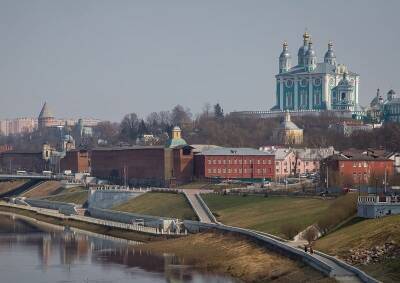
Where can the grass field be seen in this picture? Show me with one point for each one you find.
(365, 234)
(79, 197)
(266, 214)
(238, 257)
(44, 189)
(159, 204)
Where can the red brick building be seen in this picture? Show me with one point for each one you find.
(356, 169)
(78, 161)
(144, 165)
(235, 163)
(30, 161)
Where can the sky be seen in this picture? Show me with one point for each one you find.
(104, 59)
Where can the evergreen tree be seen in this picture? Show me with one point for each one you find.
(218, 111)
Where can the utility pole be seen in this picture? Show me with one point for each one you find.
(385, 180)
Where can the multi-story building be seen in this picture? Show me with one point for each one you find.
(17, 126)
(76, 160)
(167, 166)
(235, 163)
(315, 86)
(295, 161)
(349, 169)
(347, 128)
(387, 110)
(309, 159)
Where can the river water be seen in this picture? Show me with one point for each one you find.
(35, 252)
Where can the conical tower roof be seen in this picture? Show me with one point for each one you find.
(45, 113)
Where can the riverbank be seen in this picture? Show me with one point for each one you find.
(230, 254)
(214, 252)
(114, 232)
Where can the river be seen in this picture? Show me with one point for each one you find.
(35, 252)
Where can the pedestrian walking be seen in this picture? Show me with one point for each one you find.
(305, 248)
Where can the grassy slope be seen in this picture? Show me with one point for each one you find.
(159, 204)
(79, 197)
(11, 185)
(238, 257)
(44, 189)
(363, 235)
(266, 214)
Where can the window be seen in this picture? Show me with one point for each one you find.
(235, 161)
(229, 170)
(235, 170)
(365, 164)
(224, 161)
(214, 161)
(359, 164)
(269, 162)
(244, 171)
(258, 171)
(354, 164)
(209, 170)
(240, 161)
(258, 161)
(245, 161)
(229, 161)
(341, 164)
(277, 163)
(214, 170)
(306, 163)
(264, 170)
(263, 161)
(277, 170)
(240, 170)
(219, 161)
(224, 170)
(209, 161)
(219, 170)
(270, 170)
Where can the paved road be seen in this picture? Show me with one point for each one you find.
(338, 272)
(197, 207)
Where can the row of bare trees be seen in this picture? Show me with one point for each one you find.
(212, 126)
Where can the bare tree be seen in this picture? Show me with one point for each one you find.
(290, 230)
(310, 235)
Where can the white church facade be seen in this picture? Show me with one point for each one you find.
(313, 86)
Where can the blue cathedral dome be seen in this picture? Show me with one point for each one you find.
(285, 52)
(330, 56)
(303, 49)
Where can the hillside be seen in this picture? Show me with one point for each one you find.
(365, 241)
(159, 204)
(44, 189)
(267, 214)
(8, 186)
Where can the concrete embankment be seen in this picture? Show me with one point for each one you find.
(95, 225)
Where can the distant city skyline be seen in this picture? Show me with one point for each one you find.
(104, 59)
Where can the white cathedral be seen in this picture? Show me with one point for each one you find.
(315, 86)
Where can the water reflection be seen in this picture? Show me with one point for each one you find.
(34, 252)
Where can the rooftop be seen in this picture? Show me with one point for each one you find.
(234, 151)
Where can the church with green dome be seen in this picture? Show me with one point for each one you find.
(176, 139)
(310, 85)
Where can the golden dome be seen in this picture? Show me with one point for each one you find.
(306, 35)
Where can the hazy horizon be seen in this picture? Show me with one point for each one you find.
(104, 59)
